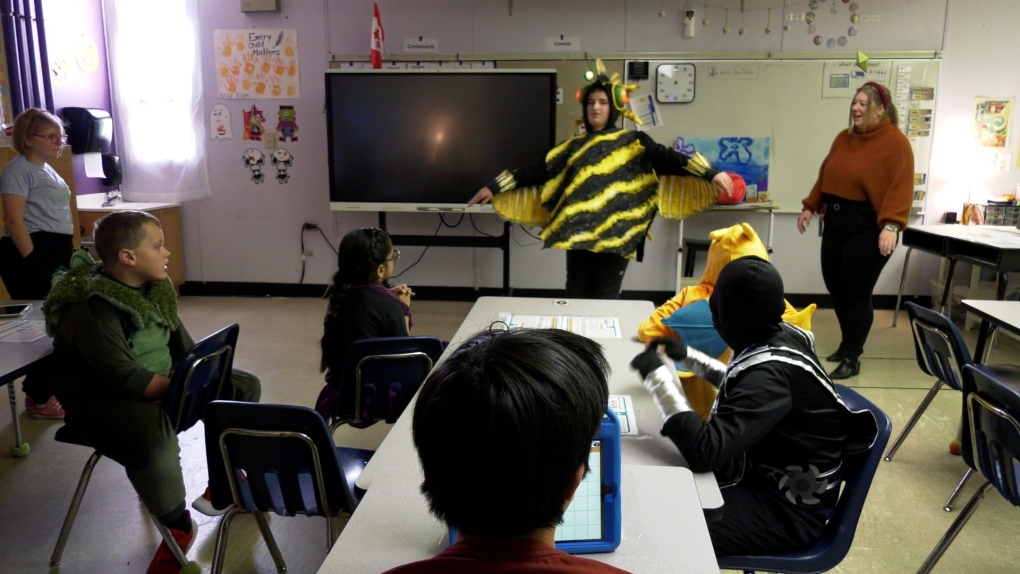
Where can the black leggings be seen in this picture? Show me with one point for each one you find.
(595, 275)
(30, 277)
(851, 264)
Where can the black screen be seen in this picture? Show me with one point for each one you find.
(404, 140)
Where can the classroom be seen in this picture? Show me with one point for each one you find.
(252, 235)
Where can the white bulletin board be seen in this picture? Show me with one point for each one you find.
(789, 101)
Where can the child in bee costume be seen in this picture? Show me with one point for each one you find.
(595, 194)
(778, 432)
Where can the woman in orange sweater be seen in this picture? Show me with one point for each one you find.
(863, 193)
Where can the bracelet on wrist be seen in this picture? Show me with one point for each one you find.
(891, 227)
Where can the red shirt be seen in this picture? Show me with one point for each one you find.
(505, 555)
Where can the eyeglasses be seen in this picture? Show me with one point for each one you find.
(54, 138)
(396, 256)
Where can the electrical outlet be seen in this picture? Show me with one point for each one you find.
(1000, 161)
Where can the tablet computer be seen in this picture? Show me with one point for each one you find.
(14, 310)
(593, 521)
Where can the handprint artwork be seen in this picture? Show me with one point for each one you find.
(257, 64)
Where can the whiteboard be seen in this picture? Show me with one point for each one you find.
(791, 102)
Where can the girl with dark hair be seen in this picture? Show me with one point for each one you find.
(864, 192)
(361, 305)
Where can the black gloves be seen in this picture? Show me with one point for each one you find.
(646, 362)
(673, 349)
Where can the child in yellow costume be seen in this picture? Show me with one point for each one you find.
(687, 317)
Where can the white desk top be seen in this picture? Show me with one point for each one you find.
(1000, 236)
(15, 357)
(392, 525)
(663, 526)
(1005, 314)
(94, 202)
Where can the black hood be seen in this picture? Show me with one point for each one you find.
(747, 303)
(614, 114)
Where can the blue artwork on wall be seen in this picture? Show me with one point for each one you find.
(746, 156)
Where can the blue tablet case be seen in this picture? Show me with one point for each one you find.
(596, 498)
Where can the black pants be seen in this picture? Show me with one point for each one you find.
(594, 275)
(851, 264)
(754, 522)
(29, 278)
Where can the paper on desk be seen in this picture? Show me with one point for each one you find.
(623, 406)
(21, 331)
(591, 327)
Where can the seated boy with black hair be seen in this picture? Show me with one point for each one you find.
(503, 429)
(116, 340)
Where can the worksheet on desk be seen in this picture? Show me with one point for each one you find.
(21, 331)
(591, 327)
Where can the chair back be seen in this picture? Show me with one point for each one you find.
(381, 376)
(273, 458)
(994, 406)
(837, 537)
(940, 349)
(199, 377)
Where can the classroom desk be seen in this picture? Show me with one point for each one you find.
(1005, 314)
(991, 246)
(392, 525)
(742, 209)
(15, 359)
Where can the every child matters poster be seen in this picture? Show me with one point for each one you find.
(253, 64)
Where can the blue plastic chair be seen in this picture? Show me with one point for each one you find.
(198, 380)
(276, 458)
(992, 397)
(380, 377)
(837, 537)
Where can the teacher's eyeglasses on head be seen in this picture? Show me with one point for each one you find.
(396, 256)
(54, 138)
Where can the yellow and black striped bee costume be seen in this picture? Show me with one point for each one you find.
(600, 191)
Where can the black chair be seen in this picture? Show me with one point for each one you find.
(380, 377)
(837, 537)
(276, 458)
(992, 397)
(198, 379)
(941, 353)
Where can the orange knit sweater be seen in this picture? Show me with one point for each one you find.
(877, 166)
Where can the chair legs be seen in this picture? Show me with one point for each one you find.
(913, 419)
(954, 529)
(267, 535)
(72, 512)
(956, 491)
(171, 543)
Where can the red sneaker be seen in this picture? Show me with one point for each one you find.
(164, 562)
(51, 410)
(204, 505)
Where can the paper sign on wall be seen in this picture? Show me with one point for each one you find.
(261, 63)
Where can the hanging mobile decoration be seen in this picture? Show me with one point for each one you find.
(768, 24)
(853, 7)
(834, 9)
(813, 4)
(741, 30)
(726, 24)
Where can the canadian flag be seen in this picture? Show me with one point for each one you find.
(378, 35)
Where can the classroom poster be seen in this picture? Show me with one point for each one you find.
(258, 63)
(743, 155)
(991, 121)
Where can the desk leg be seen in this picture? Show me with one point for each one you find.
(947, 290)
(680, 258)
(20, 448)
(903, 280)
(982, 340)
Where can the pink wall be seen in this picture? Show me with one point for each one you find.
(77, 52)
